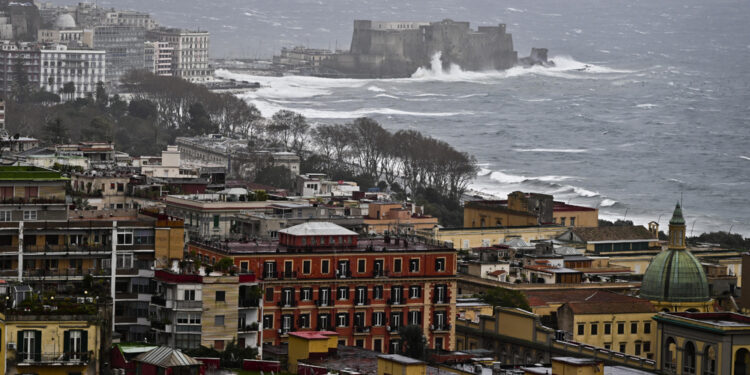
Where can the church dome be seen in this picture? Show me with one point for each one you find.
(675, 276)
(65, 21)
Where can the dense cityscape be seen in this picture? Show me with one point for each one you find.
(152, 221)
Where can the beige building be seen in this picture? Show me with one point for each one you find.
(396, 218)
(190, 57)
(468, 238)
(102, 190)
(168, 166)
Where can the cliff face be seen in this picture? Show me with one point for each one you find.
(398, 49)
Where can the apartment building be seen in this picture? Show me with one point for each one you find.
(158, 58)
(102, 190)
(190, 58)
(68, 338)
(320, 276)
(124, 46)
(84, 68)
(191, 310)
(32, 194)
(14, 55)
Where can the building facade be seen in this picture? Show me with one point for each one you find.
(320, 276)
(158, 58)
(190, 57)
(18, 55)
(125, 49)
(83, 68)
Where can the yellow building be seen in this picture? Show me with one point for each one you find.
(310, 344)
(394, 218)
(396, 364)
(51, 344)
(675, 279)
(471, 308)
(220, 311)
(624, 326)
(703, 343)
(492, 214)
(575, 216)
(468, 238)
(569, 366)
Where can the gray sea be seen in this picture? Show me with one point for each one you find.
(649, 102)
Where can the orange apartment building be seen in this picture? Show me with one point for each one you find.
(320, 276)
(395, 218)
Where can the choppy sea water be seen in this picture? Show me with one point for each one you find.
(649, 101)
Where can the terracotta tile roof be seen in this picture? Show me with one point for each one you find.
(496, 272)
(614, 233)
(637, 305)
(562, 296)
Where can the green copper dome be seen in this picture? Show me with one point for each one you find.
(677, 218)
(675, 276)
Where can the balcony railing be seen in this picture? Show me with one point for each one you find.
(159, 300)
(59, 273)
(188, 305)
(324, 302)
(361, 330)
(37, 359)
(395, 301)
(379, 273)
(440, 328)
(361, 301)
(343, 275)
(249, 302)
(287, 303)
(252, 327)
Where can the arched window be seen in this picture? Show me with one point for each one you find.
(688, 359)
(741, 361)
(670, 356)
(709, 361)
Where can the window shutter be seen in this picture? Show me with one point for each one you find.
(38, 345)
(19, 343)
(84, 342)
(66, 343)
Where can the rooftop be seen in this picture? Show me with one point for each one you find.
(564, 207)
(318, 229)
(620, 307)
(716, 319)
(562, 296)
(363, 245)
(29, 173)
(613, 233)
(314, 335)
(400, 359)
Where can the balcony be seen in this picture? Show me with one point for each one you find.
(361, 302)
(249, 303)
(188, 305)
(288, 275)
(359, 330)
(379, 273)
(165, 326)
(53, 359)
(252, 327)
(392, 329)
(324, 303)
(396, 301)
(440, 328)
(159, 301)
(287, 304)
(343, 275)
(120, 296)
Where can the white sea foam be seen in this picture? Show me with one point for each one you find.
(607, 202)
(375, 89)
(646, 106)
(554, 150)
(483, 172)
(267, 109)
(505, 178)
(744, 157)
(515, 10)
(386, 96)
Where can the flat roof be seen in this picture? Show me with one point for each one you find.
(313, 335)
(400, 359)
(267, 247)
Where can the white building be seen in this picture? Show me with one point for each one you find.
(159, 57)
(190, 57)
(60, 65)
(168, 166)
(130, 18)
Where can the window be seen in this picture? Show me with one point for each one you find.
(377, 268)
(31, 192)
(646, 327)
(623, 345)
(562, 221)
(286, 323)
(647, 346)
(361, 264)
(305, 294)
(439, 320)
(581, 328)
(306, 266)
(342, 269)
(219, 344)
(189, 295)
(637, 348)
(440, 265)
(324, 266)
(620, 328)
(219, 320)
(342, 320)
(396, 294)
(324, 321)
(268, 321)
(304, 321)
(414, 265)
(244, 267)
(634, 327)
(439, 295)
(75, 343)
(125, 237)
(51, 264)
(342, 293)
(415, 291)
(394, 346)
(324, 297)
(594, 328)
(269, 294)
(377, 292)
(221, 296)
(378, 319)
(572, 221)
(5, 216)
(360, 295)
(415, 317)
(216, 221)
(608, 345)
(396, 320)
(359, 319)
(397, 265)
(29, 215)
(607, 328)
(29, 346)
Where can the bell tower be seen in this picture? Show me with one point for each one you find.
(677, 229)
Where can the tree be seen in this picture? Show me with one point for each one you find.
(280, 177)
(224, 264)
(200, 122)
(370, 140)
(21, 83)
(505, 298)
(142, 108)
(280, 127)
(102, 98)
(69, 88)
(413, 342)
(55, 132)
(99, 130)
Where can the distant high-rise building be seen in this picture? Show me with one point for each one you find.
(130, 18)
(13, 55)
(190, 57)
(124, 46)
(84, 68)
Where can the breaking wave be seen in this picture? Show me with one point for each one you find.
(553, 150)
